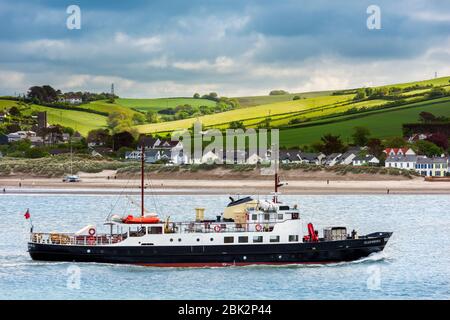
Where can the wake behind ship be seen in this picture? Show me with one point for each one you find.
(248, 232)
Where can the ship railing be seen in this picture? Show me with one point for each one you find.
(73, 239)
(215, 227)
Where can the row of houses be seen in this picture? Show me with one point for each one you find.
(407, 159)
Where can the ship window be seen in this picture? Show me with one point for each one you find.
(171, 240)
(243, 240)
(179, 239)
(266, 216)
(155, 230)
(274, 238)
(228, 239)
(294, 215)
(284, 207)
(211, 239)
(254, 217)
(198, 239)
(280, 216)
(293, 238)
(257, 239)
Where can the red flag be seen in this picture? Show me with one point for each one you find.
(27, 214)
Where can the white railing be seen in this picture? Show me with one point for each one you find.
(72, 239)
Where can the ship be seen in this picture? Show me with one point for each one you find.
(248, 232)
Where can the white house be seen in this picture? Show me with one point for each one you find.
(347, 157)
(332, 159)
(407, 162)
(20, 135)
(367, 160)
(311, 158)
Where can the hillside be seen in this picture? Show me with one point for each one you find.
(81, 121)
(145, 105)
(301, 121)
(381, 123)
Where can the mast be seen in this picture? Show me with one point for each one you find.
(71, 156)
(142, 178)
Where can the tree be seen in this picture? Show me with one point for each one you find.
(296, 98)
(426, 117)
(123, 139)
(236, 125)
(360, 94)
(139, 118)
(196, 96)
(361, 136)
(115, 118)
(439, 139)
(14, 111)
(34, 153)
(395, 142)
(278, 92)
(375, 147)
(331, 144)
(152, 117)
(427, 148)
(100, 137)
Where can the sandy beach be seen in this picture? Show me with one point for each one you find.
(100, 184)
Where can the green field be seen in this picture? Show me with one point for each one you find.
(381, 123)
(162, 103)
(311, 115)
(222, 119)
(104, 106)
(258, 100)
(81, 121)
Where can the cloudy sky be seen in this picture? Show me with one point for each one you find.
(234, 47)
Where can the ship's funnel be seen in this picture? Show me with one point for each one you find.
(199, 214)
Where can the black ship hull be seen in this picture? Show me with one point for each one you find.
(215, 255)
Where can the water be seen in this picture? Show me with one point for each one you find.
(415, 264)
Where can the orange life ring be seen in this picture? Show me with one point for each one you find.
(91, 231)
(91, 240)
(258, 227)
(217, 228)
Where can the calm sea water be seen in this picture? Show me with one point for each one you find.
(415, 264)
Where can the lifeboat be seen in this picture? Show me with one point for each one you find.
(140, 220)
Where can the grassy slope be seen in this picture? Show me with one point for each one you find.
(104, 106)
(78, 120)
(246, 113)
(381, 123)
(259, 100)
(162, 103)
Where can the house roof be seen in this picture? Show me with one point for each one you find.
(291, 155)
(309, 156)
(147, 141)
(406, 158)
(396, 150)
(425, 160)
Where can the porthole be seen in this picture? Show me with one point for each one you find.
(212, 239)
(179, 239)
(198, 239)
(171, 240)
(244, 257)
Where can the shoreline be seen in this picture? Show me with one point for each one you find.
(104, 186)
